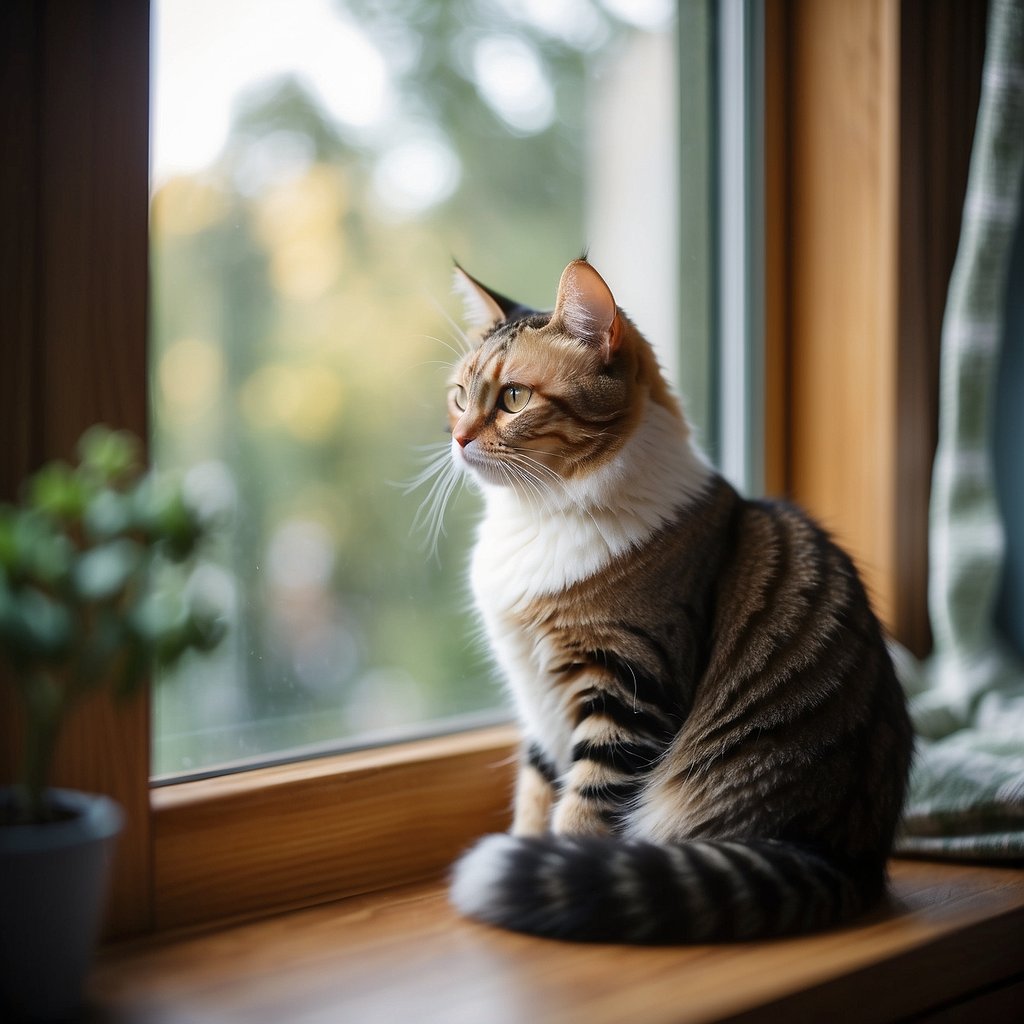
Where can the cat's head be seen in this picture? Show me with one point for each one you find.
(547, 397)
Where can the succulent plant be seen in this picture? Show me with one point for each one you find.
(93, 590)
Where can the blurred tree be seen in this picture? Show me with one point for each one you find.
(299, 362)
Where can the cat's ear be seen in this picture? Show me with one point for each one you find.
(586, 309)
(483, 306)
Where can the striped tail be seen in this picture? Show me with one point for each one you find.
(616, 890)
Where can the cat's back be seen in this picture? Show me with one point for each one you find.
(798, 698)
(788, 596)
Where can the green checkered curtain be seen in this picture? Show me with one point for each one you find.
(967, 700)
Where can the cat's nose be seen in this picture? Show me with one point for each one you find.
(465, 429)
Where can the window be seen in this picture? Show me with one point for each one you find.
(316, 165)
(74, 204)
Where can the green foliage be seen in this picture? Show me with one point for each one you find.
(93, 588)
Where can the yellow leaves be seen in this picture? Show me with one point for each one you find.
(310, 204)
(187, 206)
(341, 343)
(305, 400)
(298, 222)
(190, 375)
(306, 268)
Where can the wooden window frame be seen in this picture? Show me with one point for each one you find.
(871, 111)
(842, 153)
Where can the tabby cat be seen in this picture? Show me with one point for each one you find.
(715, 743)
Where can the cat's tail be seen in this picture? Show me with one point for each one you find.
(616, 890)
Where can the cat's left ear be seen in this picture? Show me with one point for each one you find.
(586, 309)
(483, 306)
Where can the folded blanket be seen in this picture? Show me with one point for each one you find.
(967, 787)
(968, 799)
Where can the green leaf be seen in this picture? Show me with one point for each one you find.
(35, 549)
(160, 616)
(56, 490)
(107, 515)
(33, 627)
(49, 572)
(51, 559)
(111, 454)
(206, 628)
(163, 514)
(8, 537)
(102, 572)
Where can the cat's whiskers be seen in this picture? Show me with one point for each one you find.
(435, 457)
(445, 479)
(458, 353)
(539, 451)
(461, 337)
(447, 364)
(580, 507)
(545, 476)
(550, 477)
(534, 492)
(534, 467)
(541, 471)
(433, 518)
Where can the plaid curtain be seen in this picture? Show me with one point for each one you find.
(967, 700)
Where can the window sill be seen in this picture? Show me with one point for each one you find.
(951, 936)
(298, 834)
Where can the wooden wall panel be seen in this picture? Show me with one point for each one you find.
(844, 191)
(19, 64)
(880, 104)
(73, 298)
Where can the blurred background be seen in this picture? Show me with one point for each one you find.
(315, 167)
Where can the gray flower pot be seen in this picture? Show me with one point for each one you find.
(53, 881)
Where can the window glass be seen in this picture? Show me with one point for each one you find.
(316, 166)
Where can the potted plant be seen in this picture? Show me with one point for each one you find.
(94, 563)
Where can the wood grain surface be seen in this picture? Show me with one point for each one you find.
(404, 955)
(74, 205)
(844, 94)
(871, 112)
(324, 828)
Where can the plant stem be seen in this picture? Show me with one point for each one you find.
(45, 713)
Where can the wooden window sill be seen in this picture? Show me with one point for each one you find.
(278, 838)
(948, 947)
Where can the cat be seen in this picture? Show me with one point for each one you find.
(715, 746)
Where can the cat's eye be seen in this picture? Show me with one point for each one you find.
(514, 398)
(459, 397)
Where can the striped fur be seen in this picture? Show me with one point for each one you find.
(715, 744)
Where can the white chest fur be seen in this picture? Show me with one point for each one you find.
(526, 549)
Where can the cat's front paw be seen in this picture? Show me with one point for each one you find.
(533, 803)
(577, 816)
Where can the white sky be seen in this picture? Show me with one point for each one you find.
(208, 52)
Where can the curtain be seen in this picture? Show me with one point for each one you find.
(967, 700)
